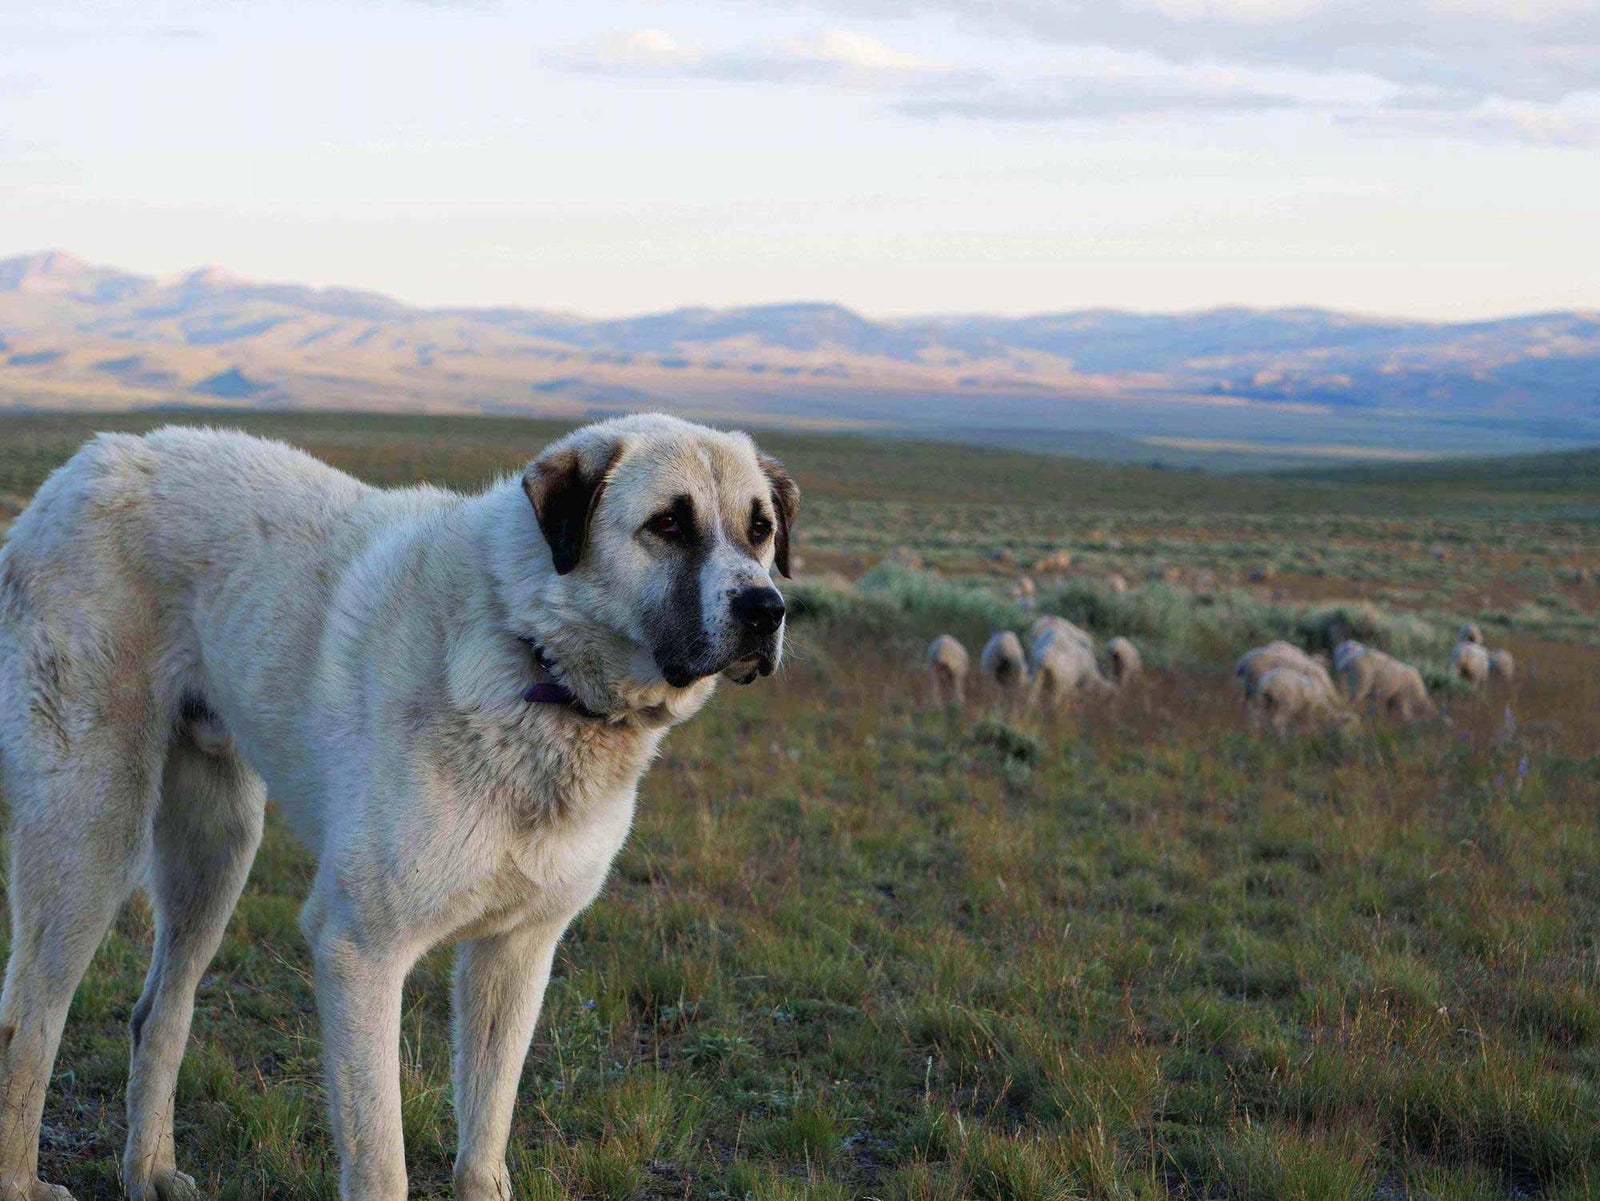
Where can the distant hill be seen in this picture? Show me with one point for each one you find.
(76, 335)
(1570, 471)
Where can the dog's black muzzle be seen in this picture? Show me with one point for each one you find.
(758, 613)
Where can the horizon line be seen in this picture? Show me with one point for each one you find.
(1362, 315)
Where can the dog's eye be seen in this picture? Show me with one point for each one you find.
(760, 529)
(666, 526)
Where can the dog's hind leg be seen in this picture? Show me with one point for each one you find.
(207, 829)
(79, 834)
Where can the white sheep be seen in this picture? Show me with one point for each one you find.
(1344, 652)
(1383, 682)
(1050, 623)
(1064, 670)
(948, 667)
(1285, 697)
(1003, 662)
(1470, 662)
(1255, 663)
(1124, 659)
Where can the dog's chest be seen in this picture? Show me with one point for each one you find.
(559, 797)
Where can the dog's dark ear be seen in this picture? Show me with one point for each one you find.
(786, 502)
(564, 486)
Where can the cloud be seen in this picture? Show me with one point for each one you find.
(856, 51)
(1078, 100)
(1097, 87)
(1537, 50)
(1571, 125)
(1527, 70)
(834, 56)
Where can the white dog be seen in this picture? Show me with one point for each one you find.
(451, 699)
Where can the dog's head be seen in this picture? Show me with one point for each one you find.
(666, 534)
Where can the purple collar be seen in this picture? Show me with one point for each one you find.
(550, 691)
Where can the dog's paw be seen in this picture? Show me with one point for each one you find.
(492, 1184)
(170, 1185)
(32, 1190)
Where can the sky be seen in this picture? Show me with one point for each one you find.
(1428, 158)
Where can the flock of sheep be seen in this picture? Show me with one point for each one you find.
(1058, 667)
(1284, 687)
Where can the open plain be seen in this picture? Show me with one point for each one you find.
(862, 947)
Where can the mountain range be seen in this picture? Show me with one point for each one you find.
(77, 335)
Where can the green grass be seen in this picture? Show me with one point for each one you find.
(858, 949)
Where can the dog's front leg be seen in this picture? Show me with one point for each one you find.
(499, 987)
(359, 982)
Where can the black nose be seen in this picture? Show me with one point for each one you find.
(759, 608)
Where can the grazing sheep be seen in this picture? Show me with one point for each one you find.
(1255, 663)
(1470, 633)
(1117, 582)
(1502, 667)
(1356, 668)
(1384, 682)
(1004, 663)
(1064, 670)
(1124, 659)
(948, 665)
(1285, 697)
(1470, 662)
(1346, 651)
(1051, 624)
(1402, 693)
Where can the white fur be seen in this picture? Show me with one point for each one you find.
(948, 667)
(360, 653)
(1064, 670)
(1470, 662)
(1383, 682)
(1255, 663)
(1003, 662)
(1049, 624)
(1285, 697)
(1124, 659)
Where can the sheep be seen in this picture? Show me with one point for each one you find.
(1402, 693)
(1502, 667)
(1003, 662)
(1255, 663)
(1050, 623)
(1064, 670)
(1383, 681)
(1470, 633)
(948, 666)
(1470, 662)
(1286, 697)
(1357, 667)
(1344, 652)
(1124, 659)
(1117, 582)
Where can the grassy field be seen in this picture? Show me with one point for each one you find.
(858, 948)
